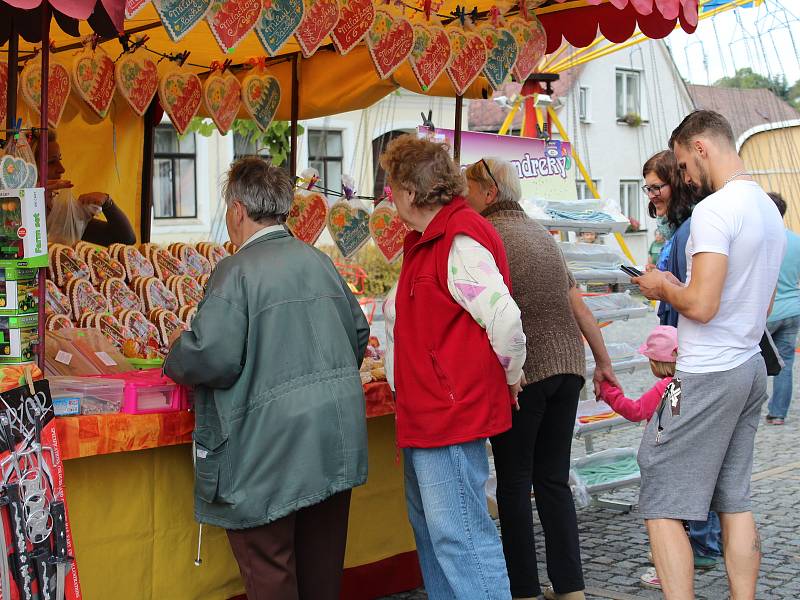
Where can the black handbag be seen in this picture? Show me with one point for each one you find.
(772, 357)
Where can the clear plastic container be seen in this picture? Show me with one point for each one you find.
(96, 396)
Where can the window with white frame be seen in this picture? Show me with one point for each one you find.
(628, 93)
(630, 199)
(174, 175)
(325, 154)
(584, 106)
(584, 193)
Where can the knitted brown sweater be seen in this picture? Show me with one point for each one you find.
(540, 286)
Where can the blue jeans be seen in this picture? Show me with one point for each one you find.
(784, 334)
(706, 537)
(457, 542)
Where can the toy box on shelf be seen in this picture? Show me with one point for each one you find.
(23, 227)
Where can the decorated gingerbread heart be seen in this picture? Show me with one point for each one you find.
(320, 17)
(469, 58)
(55, 302)
(85, 298)
(132, 7)
(388, 230)
(58, 88)
(154, 294)
(501, 49)
(532, 42)
(222, 96)
(136, 265)
(186, 289)
(119, 295)
(180, 16)
(355, 20)
(348, 225)
(213, 253)
(137, 80)
(308, 216)
(278, 22)
(16, 173)
(194, 264)
(180, 93)
(390, 41)
(430, 56)
(231, 20)
(3, 90)
(261, 95)
(102, 266)
(65, 265)
(93, 78)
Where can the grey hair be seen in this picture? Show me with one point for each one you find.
(505, 176)
(265, 191)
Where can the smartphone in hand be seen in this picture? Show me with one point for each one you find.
(631, 271)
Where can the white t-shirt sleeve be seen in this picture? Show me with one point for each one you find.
(711, 231)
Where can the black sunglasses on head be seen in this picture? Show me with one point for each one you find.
(489, 172)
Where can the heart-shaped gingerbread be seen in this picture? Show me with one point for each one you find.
(308, 216)
(180, 92)
(469, 58)
(231, 20)
(355, 20)
(3, 90)
(320, 17)
(180, 16)
(58, 88)
(390, 41)
(279, 21)
(16, 173)
(261, 95)
(137, 80)
(119, 295)
(388, 230)
(430, 56)
(348, 225)
(132, 7)
(532, 42)
(222, 96)
(93, 78)
(501, 49)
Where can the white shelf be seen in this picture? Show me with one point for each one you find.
(615, 307)
(584, 226)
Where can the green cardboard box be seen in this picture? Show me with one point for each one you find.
(19, 291)
(23, 227)
(19, 335)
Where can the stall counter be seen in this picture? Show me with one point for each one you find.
(130, 499)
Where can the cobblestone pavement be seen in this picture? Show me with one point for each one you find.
(614, 545)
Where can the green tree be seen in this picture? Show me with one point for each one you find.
(748, 79)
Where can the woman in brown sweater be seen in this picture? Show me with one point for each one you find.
(536, 450)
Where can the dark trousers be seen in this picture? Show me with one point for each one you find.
(298, 557)
(536, 451)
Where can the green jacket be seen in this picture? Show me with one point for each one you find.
(274, 353)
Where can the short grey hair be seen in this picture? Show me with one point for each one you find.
(265, 191)
(505, 177)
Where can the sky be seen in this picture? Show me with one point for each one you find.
(765, 38)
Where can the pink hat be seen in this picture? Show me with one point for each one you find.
(661, 344)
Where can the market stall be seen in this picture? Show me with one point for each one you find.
(128, 475)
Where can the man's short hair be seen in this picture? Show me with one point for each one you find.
(265, 191)
(702, 122)
(779, 202)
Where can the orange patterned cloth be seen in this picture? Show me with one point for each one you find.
(90, 435)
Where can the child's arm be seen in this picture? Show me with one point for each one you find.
(634, 410)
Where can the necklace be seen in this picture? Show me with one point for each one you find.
(734, 176)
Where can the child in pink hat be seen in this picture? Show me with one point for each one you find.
(661, 348)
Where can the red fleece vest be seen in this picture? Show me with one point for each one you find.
(450, 386)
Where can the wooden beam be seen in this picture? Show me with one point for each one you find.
(148, 158)
(295, 110)
(457, 134)
(13, 73)
(45, 8)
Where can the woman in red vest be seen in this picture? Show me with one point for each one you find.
(458, 354)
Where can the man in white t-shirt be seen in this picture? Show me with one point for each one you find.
(697, 450)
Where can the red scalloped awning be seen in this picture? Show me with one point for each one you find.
(106, 17)
(617, 21)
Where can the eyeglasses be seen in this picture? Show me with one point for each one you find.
(489, 172)
(654, 190)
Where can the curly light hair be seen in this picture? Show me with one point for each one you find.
(424, 168)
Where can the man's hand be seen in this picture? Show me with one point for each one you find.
(175, 335)
(95, 198)
(515, 389)
(652, 284)
(604, 372)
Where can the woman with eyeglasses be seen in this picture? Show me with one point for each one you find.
(672, 202)
(536, 450)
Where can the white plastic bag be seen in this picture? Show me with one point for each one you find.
(67, 218)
